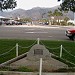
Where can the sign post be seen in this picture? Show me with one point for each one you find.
(61, 51)
(40, 69)
(38, 41)
(16, 49)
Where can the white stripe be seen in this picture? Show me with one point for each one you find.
(36, 32)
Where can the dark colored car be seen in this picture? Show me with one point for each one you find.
(71, 34)
(46, 23)
(11, 22)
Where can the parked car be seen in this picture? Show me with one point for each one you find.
(18, 23)
(46, 23)
(71, 34)
(0, 23)
(12, 22)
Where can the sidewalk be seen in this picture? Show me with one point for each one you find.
(32, 26)
(39, 26)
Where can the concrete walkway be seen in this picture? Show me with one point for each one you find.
(32, 73)
(39, 26)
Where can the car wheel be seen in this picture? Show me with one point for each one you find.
(74, 38)
(71, 37)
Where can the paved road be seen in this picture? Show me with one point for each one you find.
(33, 32)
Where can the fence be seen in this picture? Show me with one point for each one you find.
(38, 41)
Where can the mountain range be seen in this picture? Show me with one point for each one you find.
(34, 13)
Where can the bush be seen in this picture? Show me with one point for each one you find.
(64, 23)
(70, 23)
(24, 69)
(65, 70)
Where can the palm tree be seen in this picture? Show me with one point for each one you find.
(58, 14)
(50, 14)
(66, 19)
(43, 15)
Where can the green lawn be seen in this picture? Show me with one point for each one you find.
(53, 46)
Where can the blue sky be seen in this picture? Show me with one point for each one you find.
(29, 4)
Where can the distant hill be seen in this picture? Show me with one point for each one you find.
(34, 13)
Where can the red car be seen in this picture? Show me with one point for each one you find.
(71, 34)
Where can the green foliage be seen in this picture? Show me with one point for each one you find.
(69, 46)
(7, 44)
(70, 24)
(57, 13)
(1, 74)
(24, 69)
(50, 13)
(26, 20)
(20, 69)
(5, 69)
(66, 19)
(44, 20)
(7, 4)
(68, 5)
(63, 23)
(65, 70)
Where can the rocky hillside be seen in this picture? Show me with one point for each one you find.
(34, 13)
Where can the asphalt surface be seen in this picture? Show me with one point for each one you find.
(33, 32)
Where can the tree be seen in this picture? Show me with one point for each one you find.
(50, 14)
(58, 14)
(7, 4)
(26, 20)
(68, 5)
(43, 15)
(66, 19)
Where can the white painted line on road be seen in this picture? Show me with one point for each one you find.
(29, 29)
(36, 32)
(29, 32)
(50, 36)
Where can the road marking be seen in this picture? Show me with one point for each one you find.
(50, 36)
(29, 29)
(36, 32)
(36, 26)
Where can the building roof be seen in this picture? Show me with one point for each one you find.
(2, 17)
